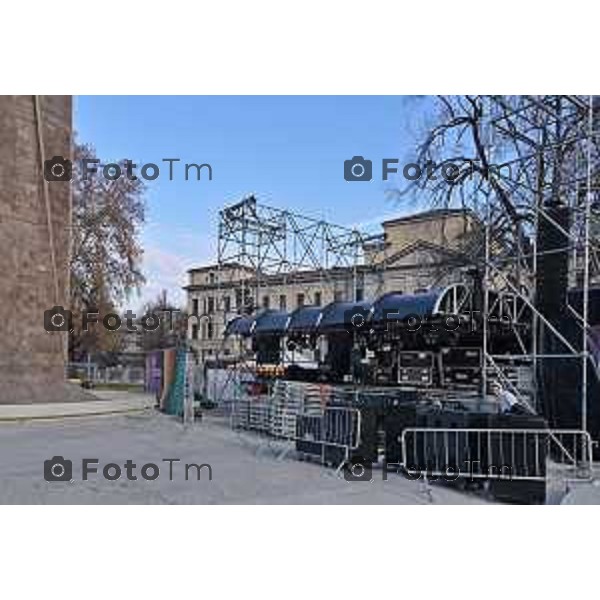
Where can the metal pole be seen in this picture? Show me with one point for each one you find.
(188, 389)
(486, 286)
(586, 268)
(535, 324)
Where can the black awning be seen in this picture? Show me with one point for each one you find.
(271, 322)
(338, 314)
(397, 306)
(239, 326)
(304, 319)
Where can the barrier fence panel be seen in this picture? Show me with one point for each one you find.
(330, 434)
(254, 414)
(341, 427)
(508, 454)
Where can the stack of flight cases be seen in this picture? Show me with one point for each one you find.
(415, 368)
(460, 367)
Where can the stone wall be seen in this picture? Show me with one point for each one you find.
(31, 360)
(445, 228)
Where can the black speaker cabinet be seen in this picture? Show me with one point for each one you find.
(367, 447)
(395, 421)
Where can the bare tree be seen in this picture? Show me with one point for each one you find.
(501, 157)
(106, 252)
(172, 326)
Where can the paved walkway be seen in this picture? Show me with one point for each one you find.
(117, 425)
(244, 471)
(107, 402)
(583, 493)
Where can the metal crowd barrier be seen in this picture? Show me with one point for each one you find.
(331, 433)
(337, 426)
(508, 454)
(252, 414)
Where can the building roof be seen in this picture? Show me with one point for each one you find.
(430, 215)
(218, 267)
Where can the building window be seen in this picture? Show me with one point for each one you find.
(282, 302)
(204, 305)
(317, 298)
(195, 331)
(360, 294)
(211, 278)
(210, 331)
(300, 300)
(226, 303)
(195, 306)
(211, 305)
(203, 331)
(265, 301)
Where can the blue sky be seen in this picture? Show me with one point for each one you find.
(287, 150)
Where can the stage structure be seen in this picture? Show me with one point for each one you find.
(537, 266)
(263, 248)
(276, 248)
(549, 153)
(537, 270)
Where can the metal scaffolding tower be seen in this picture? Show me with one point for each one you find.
(553, 157)
(265, 250)
(274, 248)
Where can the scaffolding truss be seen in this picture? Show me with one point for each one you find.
(553, 155)
(275, 248)
(263, 250)
(550, 144)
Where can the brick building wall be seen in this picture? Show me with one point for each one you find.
(31, 360)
